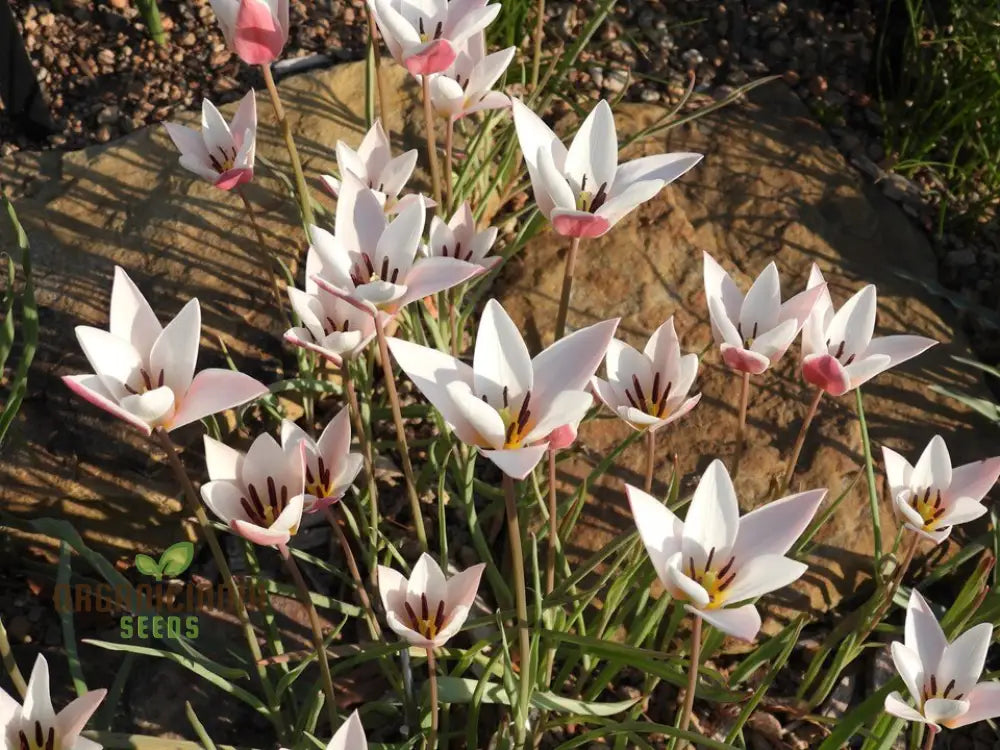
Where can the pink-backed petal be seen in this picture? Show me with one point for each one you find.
(38, 699)
(922, 633)
(984, 703)
(331, 183)
(303, 338)
(743, 360)
(739, 622)
(429, 59)
(258, 38)
(974, 480)
(516, 463)
(260, 535)
(391, 588)
(224, 499)
(774, 527)
(462, 587)
(233, 178)
(569, 363)
(561, 437)
(571, 223)
(90, 388)
(215, 390)
(431, 275)
(823, 371)
(131, 317)
(72, 719)
(944, 710)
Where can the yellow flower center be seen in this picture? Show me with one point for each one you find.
(264, 511)
(715, 581)
(930, 507)
(931, 690)
(319, 484)
(656, 403)
(516, 425)
(428, 626)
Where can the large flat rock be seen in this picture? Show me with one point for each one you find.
(130, 203)
(771, 186)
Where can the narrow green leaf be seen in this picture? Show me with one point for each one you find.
(462, 690)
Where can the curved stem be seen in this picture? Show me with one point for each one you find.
(800, 440)
(352, 567)
(567, 288)
(693, 676)
(305, 202)
(404, 452)
(650, 459)
(741, 428)
(10, 664)
(432, 156)
(550, 563)
(268, 256)
(208, 532)
(521, 603)
(317, 633)
(432, 741)
(929, 741)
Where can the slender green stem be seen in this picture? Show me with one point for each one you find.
(379, 81)
(536, 61)
(456, 335)
(521, 603)
(404, 452)
(742, 427)
(800, 440)
(10, 664)
(208, 532)
(268, 256)
(650, 459)
(432, 157)
(305, 201)
(366, 449)
(550, 563)
(567, 288)
(317, 633)
(693, 676)
(449, 145)
(432, 741)
(866, 446)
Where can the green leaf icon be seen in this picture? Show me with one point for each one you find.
(148, 566)
(176, 558)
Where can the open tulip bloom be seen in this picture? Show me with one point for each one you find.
(374, 167)
(838, 351)
(754, 331)
(144, 372)
(649, 389)
(508, 404)
(256, 30)
(332, 327)
(931, 497)
(467, 86)
(428, 609)
(36, 726)
(375, 263)
(330, 467)
(713, 560)
(425, 37)
(583, 190)
(221, 153)
(259, 494)
(460, 239)
(942, 677)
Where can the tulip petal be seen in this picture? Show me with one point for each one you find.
(618, 206)
(567, 408)
(739, 622)
(659, 529)
(900, 348)
(258, 37)
(516, 463)
(115, 361)
(962, 510)
(572, 223)
(933, 469)
(974, 480)
(37, 704)
(260, 535)
(175, 353)
(712, 520)
(964, 658)
(569, 363)
(214, 390)
(762, 305)
(762, 574)
(823, 371)
(432, 275)
(984, 703)
(663, 348)
(773, 528)
(222, 461)
(426, 579)
(483, 418)
(895, 705)
(681, 585)
(593, 155)
(463, 587)
(350, 736)
(744, 360)
(664, 168)
(720, 286)
(854, 323)
(153, 407)
(944, 710)
(909, 667)
(131, 318)
(225, 500)
(897, 470)
(90, 388)
(391, 588)
(922, 633)
(501, 360)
